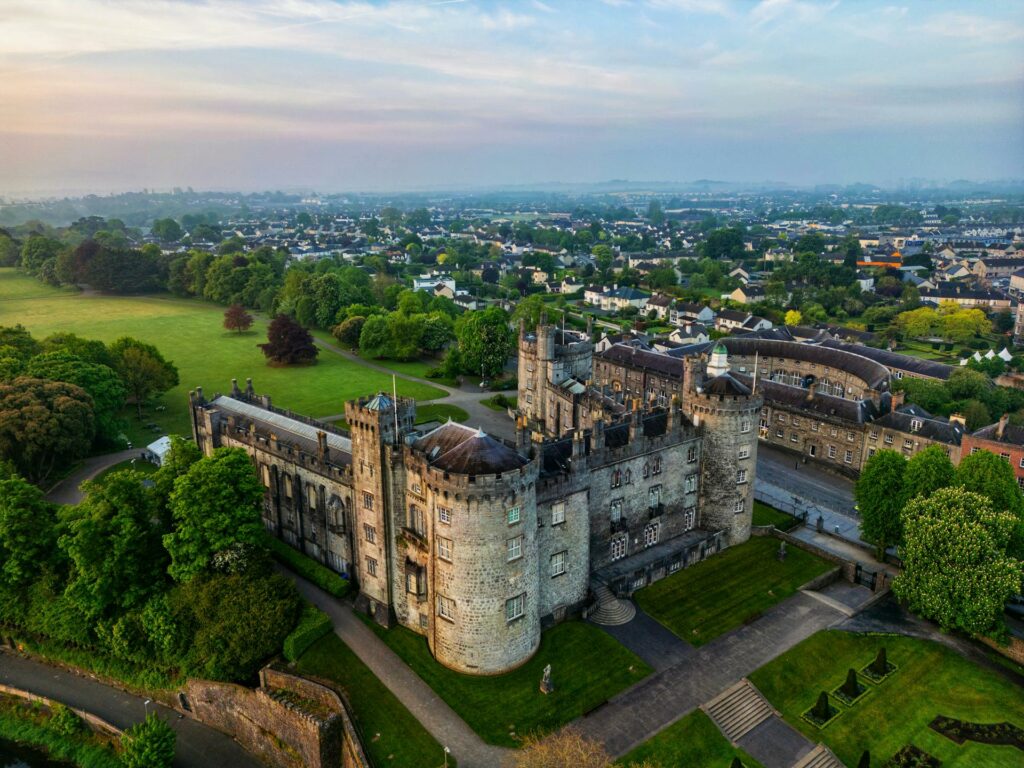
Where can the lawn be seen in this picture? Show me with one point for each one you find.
(190, 334)
(729, 589)
(502, 405)
(693, 742)
(390, 734)
(765, 515)
(439, 412)
(141, 465)
(587, 668)
(929, 680)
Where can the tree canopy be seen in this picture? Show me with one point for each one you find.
(881, 494)
(288, 343)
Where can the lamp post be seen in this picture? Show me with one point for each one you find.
(446, 753)
(146, 704)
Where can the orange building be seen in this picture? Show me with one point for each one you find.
(1002, 439)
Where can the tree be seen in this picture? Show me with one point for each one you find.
(724, 244)
(149, 744)
(348, 332)
(177, 461)
(485, 341)
(375, 336)
(114, 545)
(990, 476)
(529, 311)
(288, 343)
(881, 494)
(100, 381)
(793, 317)
(167, 230)
(956, 570)
(214, 505)
(143, 369)
(561, 748)
(43, 425)
(27, 525)
(927, 471)
(237, 319)
(965, 384)
(654, 213)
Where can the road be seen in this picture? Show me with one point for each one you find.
(67, 491)
(198, 746)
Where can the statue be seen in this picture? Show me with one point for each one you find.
(545, 681)
(782, 552)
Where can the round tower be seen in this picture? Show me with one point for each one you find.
(728, 412)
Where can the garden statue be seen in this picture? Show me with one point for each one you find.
(545, 681)
(782, 552)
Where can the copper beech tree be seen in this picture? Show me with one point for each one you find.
(236, 318)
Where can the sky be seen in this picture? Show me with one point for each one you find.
(332, 95)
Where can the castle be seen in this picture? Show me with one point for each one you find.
(478, 543)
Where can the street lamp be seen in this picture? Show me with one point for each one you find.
(446, 753)
(146, 704)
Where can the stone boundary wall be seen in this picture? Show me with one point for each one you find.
(849, 569)
(95, 722)
(290, 722)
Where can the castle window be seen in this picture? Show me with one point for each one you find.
(558, 563)
(446, 608)
(371, 566)
(618, 549)
(651, 531)
(873, 434)
(691, 454)
(690, 484)
(647, 470)
(782, 418)
(515, 607)
(415, 579)
(833, 432)
(558, 513)
(796, 421)
(1005, 457)
(514, 548)
(654, 496)
(656, 469)
(737, 507)
(616, 478)
(416, 521)
(512, 515)
(444, 548)
(741, 476)
(744, 426)
(848, 458)
(793, 437)
(370, 533)
(629, 476)
(616, 510)
(850, 437)
(831, 451)
(909, 444)
(367, 500)
(689, 518)
(743, 452)
(888, 439)
(780, 433)
(444, 515)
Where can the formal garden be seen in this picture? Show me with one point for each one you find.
(896, 695)
(718, 595)
(190, 333)
(588, 668)
(693, 742)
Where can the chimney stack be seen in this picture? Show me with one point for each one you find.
(1001, 426)
(235, 392)
(898, 399)
(323, 452)
(522, 436)
(958, 418)
(249, 391)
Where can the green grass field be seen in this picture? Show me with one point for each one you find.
(693, 742)
(390, 733)
(765, 515)
(439, 412)
(190, 334)
(722, 593)
(588, 667)
(141, 466)
(930, 680)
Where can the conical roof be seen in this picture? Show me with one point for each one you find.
(380, 402)
(480, 455)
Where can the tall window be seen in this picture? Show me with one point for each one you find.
(416, 519)
(691, 454)
(651, 531)
(654, 496)
(616, 510)
(370, 533)
(513, 515)
(831, 451)
(515, 607)
(656, 468)
(371, 566)
(619, 547)
(515, 548)
(690, 518)
(558, 513)
(558, 563)
(741, 476)
(444, 548)
(737, 506)
(744, 426)
(743, 452)
(446, 608)
(616, 478)
(444, 515)
(367, 500)
(690, 484)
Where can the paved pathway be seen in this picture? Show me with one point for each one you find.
(67, 490)
(425, 705)
(198, 746)
(640, 712)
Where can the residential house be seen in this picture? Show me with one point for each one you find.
(660, 304)
(746, 294)
(967, 298)
(1004, 440)
(689, 312)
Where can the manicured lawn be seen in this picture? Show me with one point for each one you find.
(693, 742)
(190, 334)
(587, 667)
(729, 589)
(930, 680)
(439, 412)
(391, 735)
(141, 465)
(765, 515)
(509, 401)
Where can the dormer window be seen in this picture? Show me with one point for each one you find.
(915, 425)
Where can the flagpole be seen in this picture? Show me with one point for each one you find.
(754, 390)
(394, 392)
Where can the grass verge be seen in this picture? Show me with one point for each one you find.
(694, 742)
(765, 515)
(439, 412)
(140, 465)
(587, 665)
(391, 735)
(729, 589)
(929, 680)
(25, 724)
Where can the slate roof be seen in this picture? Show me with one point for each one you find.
(939, 430)
(1011, 435)
(288, 429)
(655, 362)
(462, 450)
(889, 359)
(725, 385)
(797, 399)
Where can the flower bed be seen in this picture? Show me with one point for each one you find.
(912, 757)
(983, 733)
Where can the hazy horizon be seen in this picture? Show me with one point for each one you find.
(340, 96)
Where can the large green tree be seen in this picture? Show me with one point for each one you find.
(44, 425)
(927, 471)
(100, 381)
(881, 494)
(485, 341)
(143, 370)
(27, 532)
(956, 570)
(149, 744)
(214, 505)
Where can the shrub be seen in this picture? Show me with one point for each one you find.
(149, 744)
(880, 666)
(822, 710)
(64, 721)
(313, 625)
(851, 688)
(309, 569)
(865, 760)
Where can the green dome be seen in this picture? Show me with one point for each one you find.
(719, 349)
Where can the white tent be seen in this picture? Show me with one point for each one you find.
(1005, 355)
(989, 355)
(157, 450)
(977, 356)
(965, 361)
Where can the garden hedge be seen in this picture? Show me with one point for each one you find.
(313, 625)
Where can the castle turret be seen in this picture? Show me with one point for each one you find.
(728, 412)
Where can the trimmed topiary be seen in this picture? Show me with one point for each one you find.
(865, 760)
(822, 709)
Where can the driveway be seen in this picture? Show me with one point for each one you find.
(67, 490)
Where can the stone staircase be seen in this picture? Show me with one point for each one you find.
(611, 611)
(738, 710)
(819, 757)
